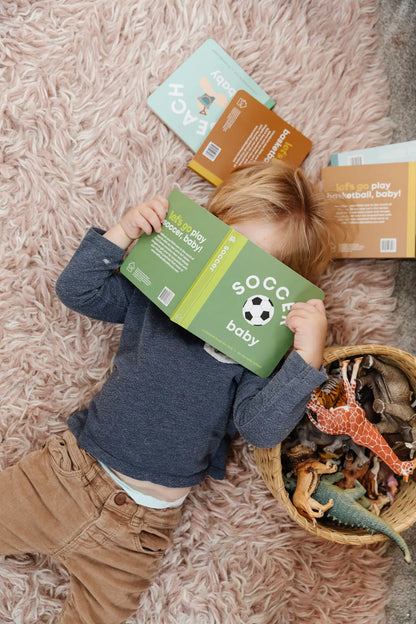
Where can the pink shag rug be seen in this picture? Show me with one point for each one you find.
(78, 147)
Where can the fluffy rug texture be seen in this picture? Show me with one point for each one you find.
(79, 146)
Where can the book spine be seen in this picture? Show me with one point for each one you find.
(210, 276)
(411, 211)
(204, 172)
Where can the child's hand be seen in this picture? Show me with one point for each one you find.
(308, 323)
(144, 217)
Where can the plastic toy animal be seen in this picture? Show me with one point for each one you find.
(294, 455)
(331, 393)
(307, 474)
(370, 479)
(311, 437)
(352, 472)
(392, 395)
(348, 511)
(351, 419)
(376, 506)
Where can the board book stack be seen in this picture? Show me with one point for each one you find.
(223, 115)
(376, 204)
(212, 281)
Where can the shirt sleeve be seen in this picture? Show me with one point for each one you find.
(90, 284)
(267, 410)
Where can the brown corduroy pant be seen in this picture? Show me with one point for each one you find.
(59, 501)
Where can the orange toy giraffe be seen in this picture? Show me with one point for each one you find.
(350, 419)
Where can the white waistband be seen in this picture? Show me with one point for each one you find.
(142, 499)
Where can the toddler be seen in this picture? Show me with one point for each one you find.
(105, 496)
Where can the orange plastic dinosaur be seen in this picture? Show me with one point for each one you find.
(350, 419)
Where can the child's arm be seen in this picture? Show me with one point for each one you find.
(266, 411)
(90, 284)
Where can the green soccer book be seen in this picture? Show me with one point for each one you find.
(212, 281)
(193, 98)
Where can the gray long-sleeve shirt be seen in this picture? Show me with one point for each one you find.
(169, 409)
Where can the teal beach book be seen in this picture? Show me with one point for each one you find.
(215, 283)
(193, 98)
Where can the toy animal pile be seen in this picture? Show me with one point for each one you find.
(357, 441)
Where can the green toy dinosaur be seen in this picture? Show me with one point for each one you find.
(346, 510)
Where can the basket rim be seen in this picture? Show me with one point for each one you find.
(395, 354)
(269, 463)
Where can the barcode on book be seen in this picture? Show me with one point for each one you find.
(166, 296)
(355, 160)
(211, 151)
(388, 245)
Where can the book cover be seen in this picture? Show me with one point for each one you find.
(212, 281)
(376, 204)
(395, 152)
(193, 98)
(247, 131)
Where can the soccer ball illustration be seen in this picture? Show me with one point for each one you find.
(258, 310)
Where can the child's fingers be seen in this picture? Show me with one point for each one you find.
(299, 312)
(293, 320)
(149, 216)
(306, 310)
(304, 314)
(160, 205)
(311, 304)
(298, 308)
(147, 220)
(317, 303)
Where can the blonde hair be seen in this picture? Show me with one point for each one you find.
(278, 192)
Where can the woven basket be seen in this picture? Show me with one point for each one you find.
(400, 515)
